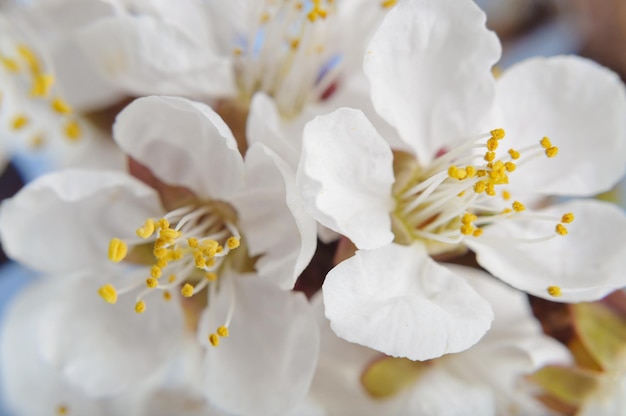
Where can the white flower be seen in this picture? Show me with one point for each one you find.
(483, 380)
(182, 260)
(430, 69)
(283, 62)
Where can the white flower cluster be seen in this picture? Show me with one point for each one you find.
(250, 130)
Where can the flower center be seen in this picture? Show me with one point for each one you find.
(29, 101)
(457, 194)
(189, 246)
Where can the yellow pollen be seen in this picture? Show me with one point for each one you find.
(193, 242)
(481, 173)
(210, 262)
(187, 290)
(567, 218)
(294, 44)
(471, 171)
(199, 260)
(9, 64)
(209, 248)
(117, 250)
(62, 410)
(468, 218)
(477, 232)
(210, 276)
(172, 278)
(457, 173)
(19, 122)
(73, 130)
(545, 143)
(518, 206)
(108, 293)
(554, 291)
(147, 230)
(510, 166)
(163, 223)
(552, 151)
(233, 242)
(479, 187)
(214, 340)
(140, 307)
(167, 295)
(152, 282)
(490, 156)
(388, 3)
(169, 235)
(467, 229)
(160, 242)
(560, 229)
(41, 85)
(514, 154)
(498, 134)
(160, 252)
(162, 263)
(222, 331)
(176, 254)
(60, 106)
(507, 211)
(29, 56)
(492, 144)
(491, 189)
(155, 271)
(506, 195)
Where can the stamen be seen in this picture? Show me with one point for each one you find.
(187, 290)
(214, 340)
(62, 410)
(19, 122)
(60, 106)
(140, 306)
(386, 4)
(117, 250)
(73, 130)
(41, 85)
(567, 218)
(561, 230)
(554, 291)
(147, 230)
(108, 293)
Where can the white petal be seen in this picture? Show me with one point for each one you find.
(397, 300)
(147, 55)
(30, 385)
(266, 364)
(345, 177)
(64, 221)
(429, 65)
(183, 143)
(580, 106)
(586, 264)
(106, 349)
(273, 219)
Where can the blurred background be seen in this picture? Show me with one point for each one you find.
(595, 29)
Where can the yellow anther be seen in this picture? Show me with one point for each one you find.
(19, 122)
(233, 242)
(117, 250)
(214, 340)
(147, 230)
(477, 232)
(169, 234)
(9, 64)
(222, 331)
(167, 295)
(60, 106)
(140, 307)
(471, 171)
(73, 130)
(480, 187)
(237, 51)
(560, 229)
(163, 223)
(294, 44)
(510, 166)
(468, 218)
(514, 154)
(160, 242)
(187, 290)
(108, 293)
(498, 134)
(457, 173)
(62, 410)
(172, 278)
(155, 271)
(160, 252)
(193, 242)
(491, 189)
(175, 254)
(518, 206)
(41, 85)
(152, 282)
(460, 194)
(490, 156)
(481, 173)
(554, 291)
(199, 260)
(162, 263)
(545, 143)
(492, 144)
(210, 276)
(210, 262)
(506, 195)
(506, 211)
(467, 229)
(567, 218)
(552, 151)
(499, 166)
(29, 56)
(209, 247)
(219, 249)
(37, 141)
(388, 3)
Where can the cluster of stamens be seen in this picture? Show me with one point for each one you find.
(186, 256)
(450, 199)
(289, 54)
(28, 71)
